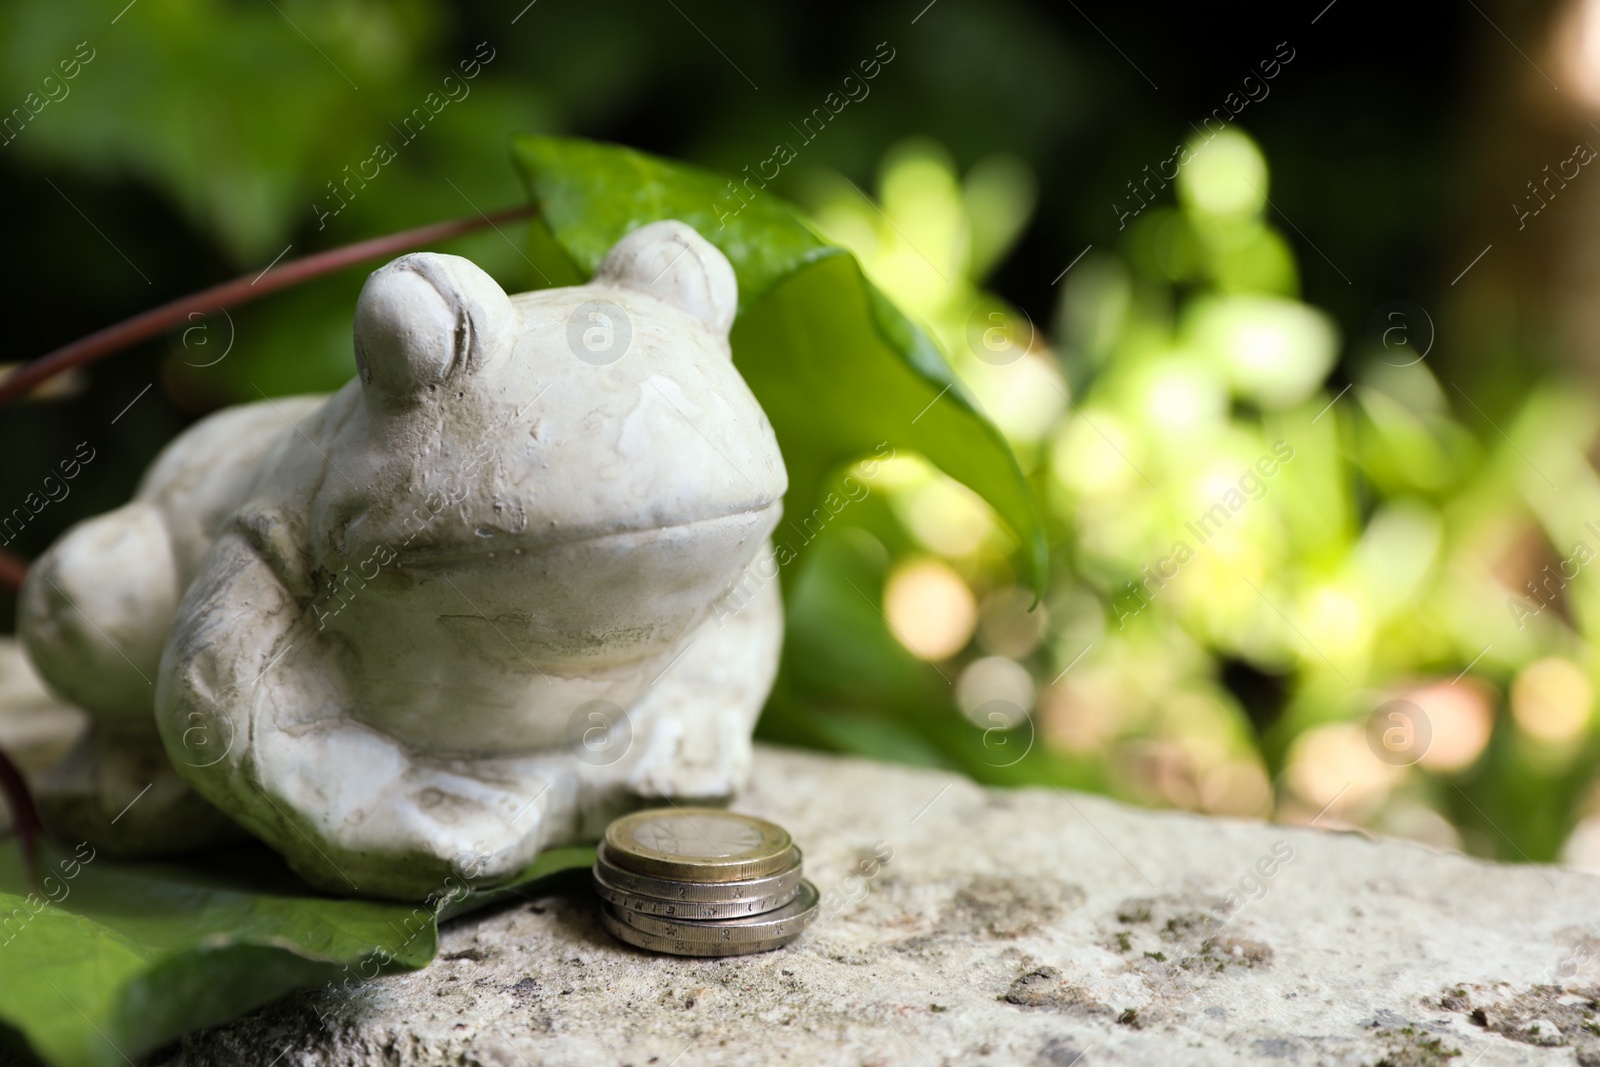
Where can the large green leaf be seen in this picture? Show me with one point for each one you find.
(837, 367)
(117, 959)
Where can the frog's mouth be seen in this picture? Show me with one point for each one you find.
(456, 545)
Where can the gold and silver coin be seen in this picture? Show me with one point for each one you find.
(698, 844)
(691, 909)
(770, 886)
(702, 882)
(676, 947)
(783, 922)
(729, 937)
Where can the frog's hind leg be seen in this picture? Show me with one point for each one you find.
(95, 610)
(94, 613)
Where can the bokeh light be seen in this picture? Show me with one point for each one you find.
(991, 680)
(930, 609)
(1333, 764)
(1461, 717)
(1551, 699)
(1226, 176)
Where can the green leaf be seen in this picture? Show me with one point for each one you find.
(103, 961)
(838, 368)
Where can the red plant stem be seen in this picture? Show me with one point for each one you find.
(241, 290)
(24, 815)
(12, 569)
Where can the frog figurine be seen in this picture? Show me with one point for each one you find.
(509, 582)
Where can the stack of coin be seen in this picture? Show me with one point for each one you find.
(702, 882)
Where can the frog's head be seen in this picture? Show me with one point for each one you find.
(582, 464)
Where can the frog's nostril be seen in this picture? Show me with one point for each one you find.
(484, 531)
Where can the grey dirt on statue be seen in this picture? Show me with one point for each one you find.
(467, 607)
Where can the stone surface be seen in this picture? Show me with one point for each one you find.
(1009, 927)
(469, 606)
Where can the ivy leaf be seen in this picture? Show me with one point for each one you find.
(101, 961)
(838, 368)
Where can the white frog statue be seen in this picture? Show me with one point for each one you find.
(487, 596)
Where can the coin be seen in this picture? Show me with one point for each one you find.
(677, 947)
(706, 892)
(780, 925)
(690, 909)
(698, 845)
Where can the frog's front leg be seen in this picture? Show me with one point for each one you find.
(695, 721)
(255, 705)
(354, 811)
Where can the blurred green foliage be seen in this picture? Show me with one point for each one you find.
(1251, 566)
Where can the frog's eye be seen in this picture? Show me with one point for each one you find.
(668, 259)
(423, 318)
